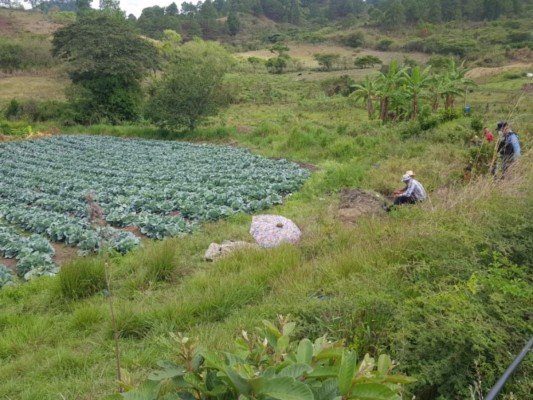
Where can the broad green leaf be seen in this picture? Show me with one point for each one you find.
(346, 371)
(284, 388)
(272, 328)
(331, 353)
(239, 383)
(288, 328)
(283, 344)
(213, 359)
(149, 390)
(372, 391)
(304, 353)
(402, 379)
(295, 370)
(324, 372)
(170, 371)
(328, 390)
(384, 364)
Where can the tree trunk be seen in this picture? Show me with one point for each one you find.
(384, 108)
(369, 107)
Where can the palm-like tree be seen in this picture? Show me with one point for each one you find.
(389, 85)
(457, 82)
(366, 91)
(415, 82)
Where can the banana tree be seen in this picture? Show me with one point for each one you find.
(457, 83)
(366, 91)
(415, 81)
(388, 87)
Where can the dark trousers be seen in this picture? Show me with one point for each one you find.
(404, 200)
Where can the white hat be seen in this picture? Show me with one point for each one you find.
(405, 178)
(409, 172)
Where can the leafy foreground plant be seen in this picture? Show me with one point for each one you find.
(270, 366)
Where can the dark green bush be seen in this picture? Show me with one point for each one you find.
(341, 85)
(356, 39)
(476, 123)
(40, 111)
(26, 53)
(384, 45)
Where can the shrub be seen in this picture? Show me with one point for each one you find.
(341, 85)
(384, 44)
(25, 53)
(82, 278)
(367, 62)
(477, 123)
(272, 366)
(356, 39)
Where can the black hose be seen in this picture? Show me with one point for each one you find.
(499, 385)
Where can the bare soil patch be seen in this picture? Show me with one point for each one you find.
(64, 253)
(9, 262)
(355, 203)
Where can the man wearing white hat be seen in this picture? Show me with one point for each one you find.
(413, 192)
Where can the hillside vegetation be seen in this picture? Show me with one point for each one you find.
(443, 287)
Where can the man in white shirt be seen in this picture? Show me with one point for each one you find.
(413, 192)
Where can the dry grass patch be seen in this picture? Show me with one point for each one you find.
(305, 53)
(483, 72)
(26, 87)
(20, 21)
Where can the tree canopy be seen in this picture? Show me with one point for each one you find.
(191, 87)
(106, 61)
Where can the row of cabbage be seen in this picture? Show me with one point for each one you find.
(163, 188)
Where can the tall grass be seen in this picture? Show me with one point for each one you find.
(82, 278)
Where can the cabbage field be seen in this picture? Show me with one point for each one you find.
(162, 188)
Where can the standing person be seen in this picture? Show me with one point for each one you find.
(489, 137)
(509, 146)
(413, 193)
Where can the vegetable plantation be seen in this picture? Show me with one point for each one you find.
(162, 188)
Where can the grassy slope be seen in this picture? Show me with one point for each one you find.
(52, 347)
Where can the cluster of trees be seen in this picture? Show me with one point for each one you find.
(107, 62)
(398, 92)
(393, 14)
(214, 19)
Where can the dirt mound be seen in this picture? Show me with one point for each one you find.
(355, 203)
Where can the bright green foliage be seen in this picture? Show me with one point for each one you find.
(276, 65)
(367, 61)
(327, 60)
(271, 366)
(192, 86)
(107, 62)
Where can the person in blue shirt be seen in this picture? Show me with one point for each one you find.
(509, 146)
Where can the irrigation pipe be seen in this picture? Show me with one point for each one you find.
(499, 385)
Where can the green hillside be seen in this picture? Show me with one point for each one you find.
(444, 286)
